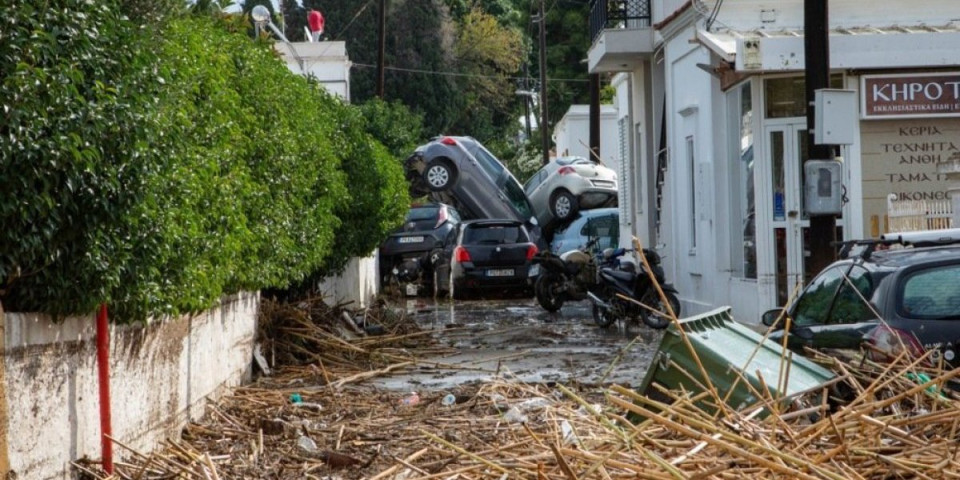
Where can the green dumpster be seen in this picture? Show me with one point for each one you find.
(726, 348)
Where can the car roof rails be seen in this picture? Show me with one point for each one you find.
(924, 238)
(917, 239)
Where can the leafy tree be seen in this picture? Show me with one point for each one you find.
(489, 54)
(158, 172)
(74, 149)
(394, 125)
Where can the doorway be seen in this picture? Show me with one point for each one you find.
(789, 225)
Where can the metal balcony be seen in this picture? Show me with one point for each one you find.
(623, 37)
(614, 14)
(621, 32)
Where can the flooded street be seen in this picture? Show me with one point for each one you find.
(516, 338)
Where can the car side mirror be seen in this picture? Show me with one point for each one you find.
(770, 316)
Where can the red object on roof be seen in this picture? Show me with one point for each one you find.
(315, 20)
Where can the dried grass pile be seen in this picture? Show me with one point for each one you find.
(318, 420)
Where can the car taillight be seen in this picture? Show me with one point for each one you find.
(448, 141)
(441, 217)
(566, 170)
(461, 255)
(889, 343)
(532, 251)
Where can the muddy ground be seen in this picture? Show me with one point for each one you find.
(515, 336)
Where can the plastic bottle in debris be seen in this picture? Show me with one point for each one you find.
(448, 400)
(410, 400)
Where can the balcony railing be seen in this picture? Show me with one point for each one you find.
(614, 14)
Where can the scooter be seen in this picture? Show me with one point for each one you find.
(565, 277)
(644, 301)
(571, 275)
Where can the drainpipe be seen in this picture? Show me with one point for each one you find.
(103, 371)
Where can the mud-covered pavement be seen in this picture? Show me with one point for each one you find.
(515, 337)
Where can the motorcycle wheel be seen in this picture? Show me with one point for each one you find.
(604, 317)
(655, 320)
(545, 291)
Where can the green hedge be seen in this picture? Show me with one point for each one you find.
(160, 171)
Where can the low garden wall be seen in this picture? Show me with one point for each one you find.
(162, 375)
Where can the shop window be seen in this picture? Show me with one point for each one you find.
(787, 96)
(743, 244)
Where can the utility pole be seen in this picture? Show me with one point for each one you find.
(595, 117)
(816, 42)
(544, 122)
(381, 46)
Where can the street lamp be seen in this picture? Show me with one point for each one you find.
(261, 17)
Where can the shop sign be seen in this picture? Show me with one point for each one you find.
(917, 95)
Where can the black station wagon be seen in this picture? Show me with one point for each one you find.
(910, 280)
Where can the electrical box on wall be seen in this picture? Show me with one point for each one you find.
(822, 190)
(835, 116)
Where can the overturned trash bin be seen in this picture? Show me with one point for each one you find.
(744, 369)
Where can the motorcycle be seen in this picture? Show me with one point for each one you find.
(569, 276)
(608, 306)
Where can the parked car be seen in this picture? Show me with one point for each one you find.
(569, 184)
(600, 223)
(459, 171)
(490, 254)
(410, 253)
(910, 280)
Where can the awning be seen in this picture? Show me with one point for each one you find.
(850, 48)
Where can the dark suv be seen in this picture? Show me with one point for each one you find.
(910, 280)
(410, 253)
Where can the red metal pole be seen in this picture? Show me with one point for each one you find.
(103, 370)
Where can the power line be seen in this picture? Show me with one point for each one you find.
(469, 75)
(344, 29)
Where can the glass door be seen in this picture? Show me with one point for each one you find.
(789, 224)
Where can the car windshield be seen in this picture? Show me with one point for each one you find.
(932, 294)
(422, 213)
(516, 196)
(494, 234)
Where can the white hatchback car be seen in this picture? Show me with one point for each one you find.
(567, 185)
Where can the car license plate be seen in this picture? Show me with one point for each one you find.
(534, 270)
(411, 240)
(503, 272)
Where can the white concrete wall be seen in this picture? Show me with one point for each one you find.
(572, 134)
(162, 375)
(357, 284)
(690, 249)
(325, 61)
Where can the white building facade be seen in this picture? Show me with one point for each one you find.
(712, 102)
(571, 135)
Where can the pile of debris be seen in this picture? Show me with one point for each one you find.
(317, 419)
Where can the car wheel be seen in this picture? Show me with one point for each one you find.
(563, 205)
(439, 175)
